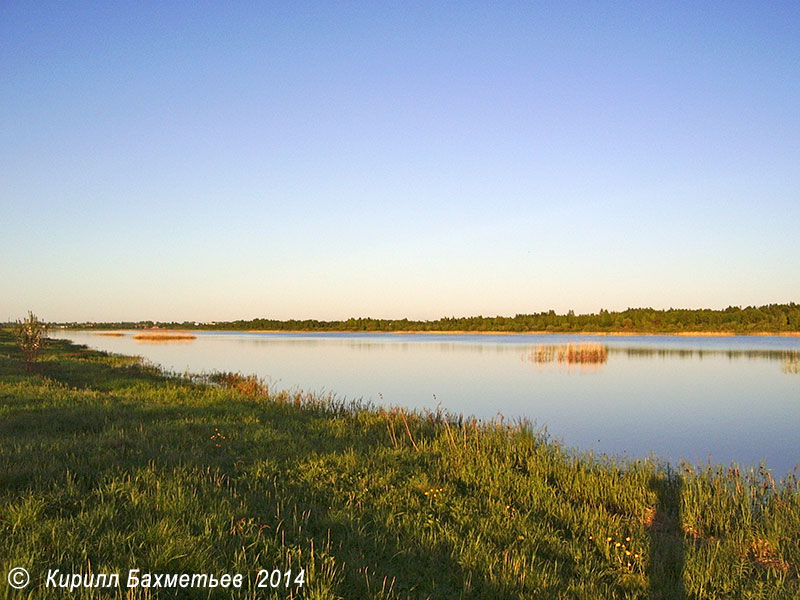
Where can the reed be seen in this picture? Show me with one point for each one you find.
(570, 354)
(164, 337)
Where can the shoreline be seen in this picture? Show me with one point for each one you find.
(468, 332)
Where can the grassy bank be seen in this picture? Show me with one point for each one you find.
(108, 465)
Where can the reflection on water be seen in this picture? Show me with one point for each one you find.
(732, 398)
(789, 358)
(595, 354)
(791, 365)
(793, 355)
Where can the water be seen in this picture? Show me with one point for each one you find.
(725, 399)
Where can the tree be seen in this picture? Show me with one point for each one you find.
(30, 334)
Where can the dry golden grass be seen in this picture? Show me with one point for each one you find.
(164, 337)
(768, 557)
(570, 354)
(111, 333)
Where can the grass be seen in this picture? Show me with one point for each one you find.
(107, 464)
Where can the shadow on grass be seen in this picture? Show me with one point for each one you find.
(666, 539)
(83, 368)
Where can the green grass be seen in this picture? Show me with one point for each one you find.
(107, 464)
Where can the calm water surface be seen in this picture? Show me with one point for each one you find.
(727, 399)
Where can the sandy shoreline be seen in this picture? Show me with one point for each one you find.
(467, 332)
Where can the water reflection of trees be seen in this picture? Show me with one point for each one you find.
(788, 356)
(597, 354)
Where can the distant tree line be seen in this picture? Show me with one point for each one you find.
(772, 318)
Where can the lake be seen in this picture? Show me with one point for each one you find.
(723, 399)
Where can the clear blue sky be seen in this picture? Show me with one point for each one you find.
(235, 160)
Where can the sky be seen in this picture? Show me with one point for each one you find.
(216, 161)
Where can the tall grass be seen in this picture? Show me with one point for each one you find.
(570, 353)
(107, 464)
(164, 337)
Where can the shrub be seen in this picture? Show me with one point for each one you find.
(30, 334)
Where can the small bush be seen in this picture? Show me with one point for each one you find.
(30, 334)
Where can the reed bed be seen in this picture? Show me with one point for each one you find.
(570, 354)
(164, 337)
(110, 333)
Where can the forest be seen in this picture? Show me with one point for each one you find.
(771, 318)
